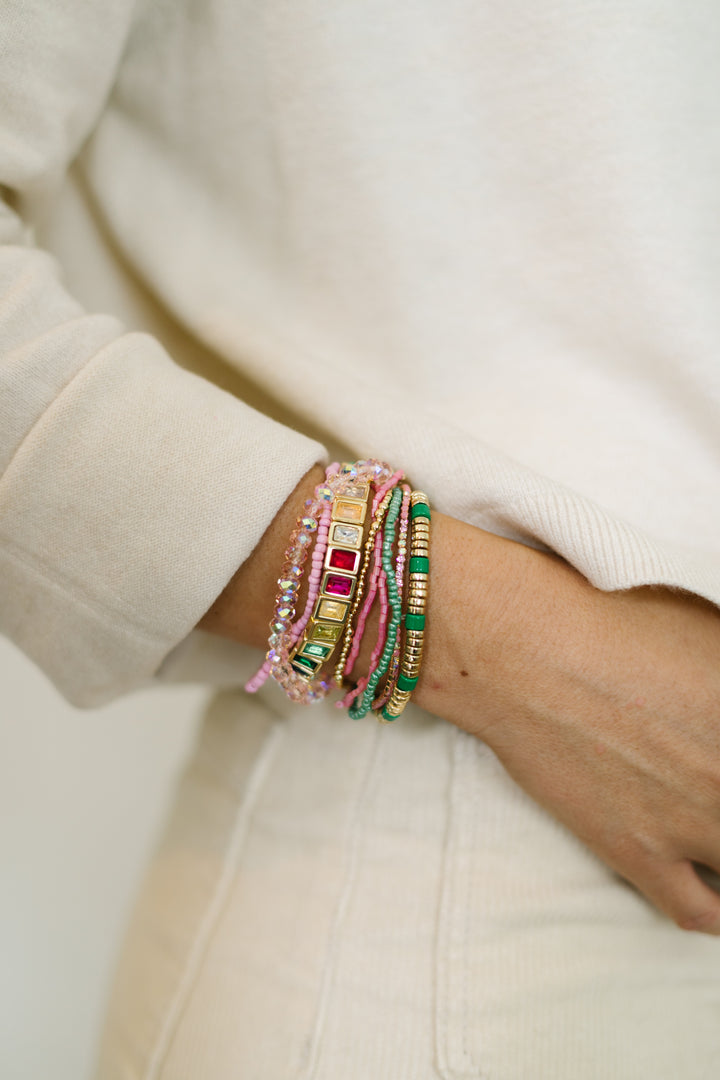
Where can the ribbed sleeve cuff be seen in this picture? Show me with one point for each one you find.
(125, 512)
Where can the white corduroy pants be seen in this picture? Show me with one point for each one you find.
(355, 901)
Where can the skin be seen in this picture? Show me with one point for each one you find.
(604, 707)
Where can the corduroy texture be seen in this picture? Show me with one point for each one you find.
(377, 902)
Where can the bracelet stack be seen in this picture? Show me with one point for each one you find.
(366, 534)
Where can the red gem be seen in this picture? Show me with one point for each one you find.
(343, 560)
(338, 586)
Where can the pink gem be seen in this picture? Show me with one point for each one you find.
(343, 560)
(338, 586)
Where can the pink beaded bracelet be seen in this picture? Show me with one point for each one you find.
(315, 521)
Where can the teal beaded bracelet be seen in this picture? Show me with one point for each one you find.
(361, 706)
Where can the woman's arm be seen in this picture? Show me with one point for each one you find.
(604, 707)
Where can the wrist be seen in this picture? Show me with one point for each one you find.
(243, 611)
(475, 586)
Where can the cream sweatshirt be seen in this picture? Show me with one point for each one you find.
(479, 240)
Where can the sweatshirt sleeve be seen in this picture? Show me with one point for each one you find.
(130, 489)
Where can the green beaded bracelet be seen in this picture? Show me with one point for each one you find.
(361, 706)
(415, 615)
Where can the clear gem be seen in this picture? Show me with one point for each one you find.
(346, 534)
(356, 491)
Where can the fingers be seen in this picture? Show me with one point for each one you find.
(677, 890)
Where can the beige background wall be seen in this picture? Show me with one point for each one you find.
(82, 796)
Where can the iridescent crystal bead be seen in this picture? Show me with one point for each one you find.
(288, 598)
(288, 584)
(304, 539)
(285, 612)
(309, 524)
(324, 493)
(280, 626)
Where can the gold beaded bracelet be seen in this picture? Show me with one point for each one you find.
(339, 584)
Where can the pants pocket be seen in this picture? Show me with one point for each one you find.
(548, 964)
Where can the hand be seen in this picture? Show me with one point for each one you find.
(604, 707)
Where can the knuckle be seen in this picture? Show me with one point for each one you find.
(705, 921)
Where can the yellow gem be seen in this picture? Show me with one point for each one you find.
(349, 510)
(333, 610)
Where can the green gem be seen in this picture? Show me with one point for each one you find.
(312, 649)
(305, 665)
(420, 510)
(419, 564)
(406, 684)
(414, 622)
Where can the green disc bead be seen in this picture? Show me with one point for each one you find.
(420, 510)
(419, 564)
(414, 622)
(404, 683)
